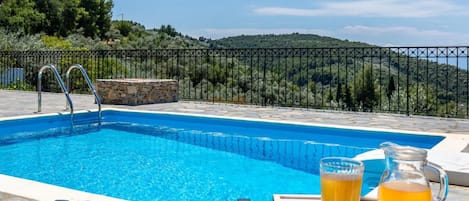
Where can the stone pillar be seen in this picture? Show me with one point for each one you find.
(137, 91)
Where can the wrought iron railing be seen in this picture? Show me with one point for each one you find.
(410, 80)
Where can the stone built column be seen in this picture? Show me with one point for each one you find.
(137, 91)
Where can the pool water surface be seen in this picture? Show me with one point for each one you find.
(140, 156)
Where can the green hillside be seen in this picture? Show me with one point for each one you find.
(294, 40)
(298, 70)
(337, 66)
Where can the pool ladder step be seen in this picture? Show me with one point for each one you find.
(86, 119)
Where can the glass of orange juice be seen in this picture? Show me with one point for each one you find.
(341, 179)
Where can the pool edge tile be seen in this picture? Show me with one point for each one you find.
(34, 190)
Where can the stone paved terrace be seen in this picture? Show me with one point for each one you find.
(14, 103)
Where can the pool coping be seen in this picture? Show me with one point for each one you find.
(30, 189)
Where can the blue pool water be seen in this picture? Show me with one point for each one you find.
(141, 156)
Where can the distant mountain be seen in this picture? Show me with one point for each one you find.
(410, 75)
(294, 40)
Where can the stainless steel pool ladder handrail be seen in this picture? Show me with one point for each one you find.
(61, 83)
(90, 85)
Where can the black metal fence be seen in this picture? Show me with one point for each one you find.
(411, 80)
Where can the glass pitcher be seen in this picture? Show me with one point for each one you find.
(404, 179)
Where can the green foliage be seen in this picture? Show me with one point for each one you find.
(293, 40)
(15, 42)
(168, 29)
(391, 87)
(20, 16)
(449, 109)
(424, 103)
(86, 24)
(81, 42)
(339, 95)
(348, 100)
(154, 40)
(96, 19)
(52, 9)
(125, 27)
(104, 16)
(20, 85)
(71, 14)
(365, 89)
(54, 42)
(55, 17)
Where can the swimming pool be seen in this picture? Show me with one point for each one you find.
(149, 156)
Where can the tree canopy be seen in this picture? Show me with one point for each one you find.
(56, 17)
(294, 40)
(21, 16)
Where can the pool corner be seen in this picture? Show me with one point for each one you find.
(18, 189)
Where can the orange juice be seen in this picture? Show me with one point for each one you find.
(403, 191)
(339, 187)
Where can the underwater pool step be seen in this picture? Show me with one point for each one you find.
(86, 119)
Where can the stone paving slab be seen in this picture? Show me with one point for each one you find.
(14, 103)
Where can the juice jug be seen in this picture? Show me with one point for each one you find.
(404, 179)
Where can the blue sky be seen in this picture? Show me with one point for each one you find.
(380, 22)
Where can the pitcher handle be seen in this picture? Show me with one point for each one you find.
(441, 196)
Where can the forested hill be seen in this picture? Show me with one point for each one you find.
(294, 40)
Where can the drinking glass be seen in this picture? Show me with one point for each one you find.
(341, 179)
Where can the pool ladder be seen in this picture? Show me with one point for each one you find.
(90, 85)
(69, 103)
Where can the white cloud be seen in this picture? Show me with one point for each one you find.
(402, 36)
(397, 30)
(373, 8)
